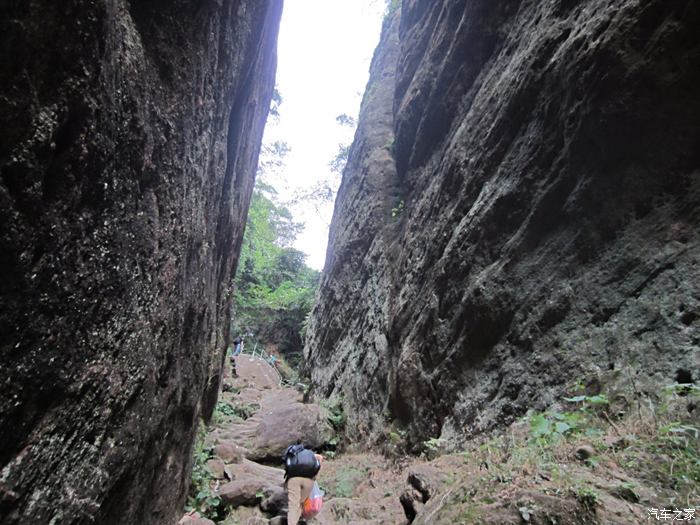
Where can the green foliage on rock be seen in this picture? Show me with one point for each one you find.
(202, 498)
(336, 412)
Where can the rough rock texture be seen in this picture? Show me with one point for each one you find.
(249, 479)
(129, 136)
(280, 419)
(519, 211)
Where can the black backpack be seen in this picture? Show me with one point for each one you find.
(300, 462)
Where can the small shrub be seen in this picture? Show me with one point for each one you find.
(201, 496)
(587, 497)
(336, 412)
(432, 447)
(398, 210)
(225, 409)
(683, 389)
(246, 411)
(395, 447)
(550, 427)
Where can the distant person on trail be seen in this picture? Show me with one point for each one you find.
(234, 372)
(238, 342)
(301, 465)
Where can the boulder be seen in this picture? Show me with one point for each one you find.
(229, 452)
(425, 479)
(584, 452)
(278, 427)
(251, 482)
(271, 475)
(199, 521)
(194, 519)
(216, 468)
(412, 503)
(240, 491)
(274, 499)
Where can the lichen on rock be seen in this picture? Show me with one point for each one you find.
(518, 214)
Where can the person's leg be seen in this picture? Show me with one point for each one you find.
(306, 486)
(298, 489)
(294, 500)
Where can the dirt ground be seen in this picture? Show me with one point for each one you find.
(601, 477)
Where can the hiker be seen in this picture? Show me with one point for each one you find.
(238, 341)
(301, 465)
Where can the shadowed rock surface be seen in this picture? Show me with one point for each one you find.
(519, 211)
(129, 137)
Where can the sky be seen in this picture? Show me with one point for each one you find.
(324, 52)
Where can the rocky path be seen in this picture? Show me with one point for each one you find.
(502, 480)
(256, 419)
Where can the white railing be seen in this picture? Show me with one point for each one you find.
(260, 353)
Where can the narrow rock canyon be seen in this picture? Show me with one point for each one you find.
(130, 133)
(519, 212)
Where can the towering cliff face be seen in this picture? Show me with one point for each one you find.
(519, 212)
(129, 139)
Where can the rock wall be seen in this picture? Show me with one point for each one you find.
(130, 134)
(519, 214)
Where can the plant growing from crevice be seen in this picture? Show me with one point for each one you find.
(433, 447)
(389, 145)
(202, 498)
(337, 419)
(587, 497)
(396, 442)
(398, 210)
(242, 411)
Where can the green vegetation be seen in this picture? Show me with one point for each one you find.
(336, 413)
(201, 497)
(389, 145)
(346, 481)
(275, 104)
(587, 497)
(346, 120)
(225, 410)
(551, 426)
(337, 419)
(275, 288)
(433, 447)
(585, 450)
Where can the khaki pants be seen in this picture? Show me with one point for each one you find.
(298, 489)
